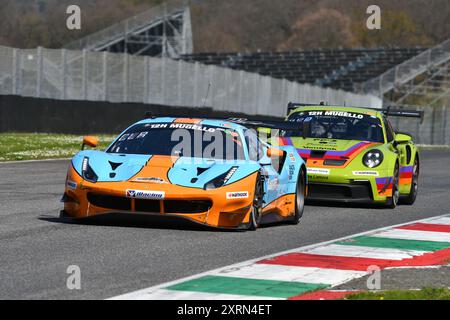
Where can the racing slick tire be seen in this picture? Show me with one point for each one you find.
(411, 197)
(300, 195)
(255, 216)
(392, 202)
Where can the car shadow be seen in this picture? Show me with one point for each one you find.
(136, 221)
(353, 205)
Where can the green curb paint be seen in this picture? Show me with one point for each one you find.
(378, 242)
(246, 287)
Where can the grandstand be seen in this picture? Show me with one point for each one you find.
(165, 31)
(335, 68)
(422, 80)
(162, 31)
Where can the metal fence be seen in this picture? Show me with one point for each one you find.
(434, 129)
(102, 76)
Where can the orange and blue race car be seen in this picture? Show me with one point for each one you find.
(214, 172)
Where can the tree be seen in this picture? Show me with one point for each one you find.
(397, 29)
(325, 28)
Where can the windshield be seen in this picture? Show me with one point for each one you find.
(180, 139)
(336, 125)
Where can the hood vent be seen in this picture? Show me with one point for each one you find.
(114, 165)
(201, 170)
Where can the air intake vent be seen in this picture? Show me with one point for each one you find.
(187, 206)
(109, 202)
(334, 162)
(144, 205)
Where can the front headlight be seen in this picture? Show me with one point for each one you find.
(87, 172)
(220, 180)
(373, 158)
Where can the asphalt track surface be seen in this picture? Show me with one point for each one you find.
(117, 255)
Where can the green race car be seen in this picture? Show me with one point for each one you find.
(354, 155)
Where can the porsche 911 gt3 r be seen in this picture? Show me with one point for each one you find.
(231, 179)
(354, 155)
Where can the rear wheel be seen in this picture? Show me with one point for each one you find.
(300, 194)
(393, 201)
(255, 216)
(411, 197)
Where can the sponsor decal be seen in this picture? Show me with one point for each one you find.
(316, 177)
(237, 195)
(365, 173)
(193, 127)
(320, 147)
(336, 114)
(291, 171)
(150, 180)
(318, 171)
(71, 185)
(145, 194)
(291, 156)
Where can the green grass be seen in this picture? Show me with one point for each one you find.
(34, 146)
(423, 294)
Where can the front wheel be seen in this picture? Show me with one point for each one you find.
(393, 200)
(411, 197)
(255, 216)
(300, 194)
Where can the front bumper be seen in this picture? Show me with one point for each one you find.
(357, 192)
(342, 185)
(209, 207)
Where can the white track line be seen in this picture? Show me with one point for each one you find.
(445, 220)
(415, 235)
(292, 273)
(150, 292)
(163, 294)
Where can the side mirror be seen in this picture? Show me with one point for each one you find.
(274, 152)
(401, 138)
(90, 141)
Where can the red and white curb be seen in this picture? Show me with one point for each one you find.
(310, 272)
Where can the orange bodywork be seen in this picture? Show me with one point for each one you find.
(223, 212)
(283, 206)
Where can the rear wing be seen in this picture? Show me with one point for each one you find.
(388, 111)
(254, 122)
(271, 124)
(294, 105)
